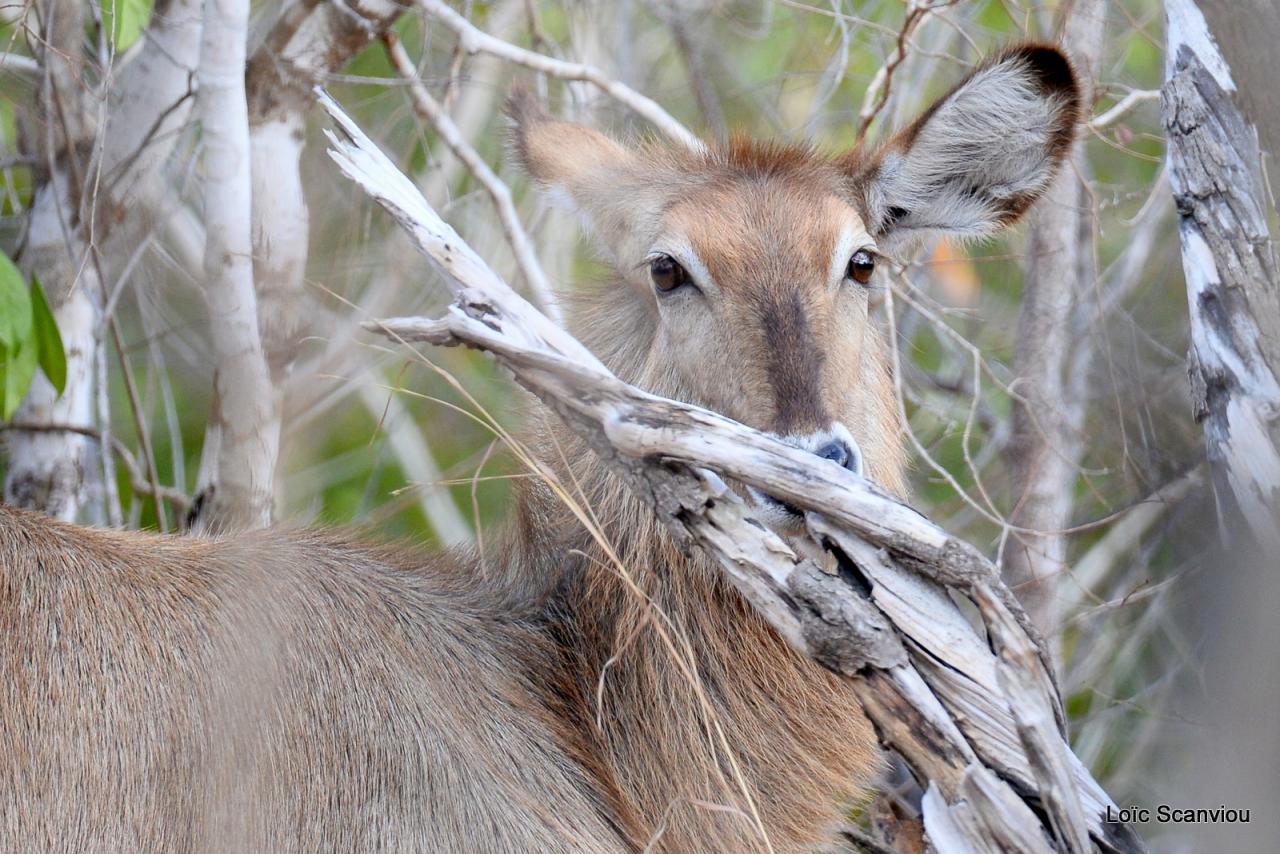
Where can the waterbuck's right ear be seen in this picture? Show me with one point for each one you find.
(980, 156)
(597, 177)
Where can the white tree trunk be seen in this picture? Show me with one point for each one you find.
(239, 494)
(52, 471)
(307, 42)
(304, 43)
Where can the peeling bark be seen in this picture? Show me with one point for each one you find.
(307, 42)
(1233, 284)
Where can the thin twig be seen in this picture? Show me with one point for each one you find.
(880, 87)
(1123, 106)
(455, 68)
(16, 63)
(477, 41)
(139, 421)
(673, 453)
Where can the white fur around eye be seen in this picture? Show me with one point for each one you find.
(853, 238)
(679, 248)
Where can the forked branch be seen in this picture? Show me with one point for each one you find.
(984, 732)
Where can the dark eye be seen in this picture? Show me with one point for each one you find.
(667, 275)
(861, 266)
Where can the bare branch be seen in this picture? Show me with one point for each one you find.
(1123, 107)
(1095, 565)
(878, 90)
(1036, 725)
(137, 481)
(16, 63)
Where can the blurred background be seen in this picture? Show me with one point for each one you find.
(400, 446)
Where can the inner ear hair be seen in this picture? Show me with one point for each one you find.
(978, 158)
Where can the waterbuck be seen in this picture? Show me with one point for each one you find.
(298, 690)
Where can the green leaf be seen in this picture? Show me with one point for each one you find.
(125, 20)
(50, 352)
(18, 369)
(15, 304)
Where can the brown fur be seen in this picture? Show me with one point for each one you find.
(593, 690)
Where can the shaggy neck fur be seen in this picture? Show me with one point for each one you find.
(705, 730)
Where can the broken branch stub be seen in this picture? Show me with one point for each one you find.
(925, 675)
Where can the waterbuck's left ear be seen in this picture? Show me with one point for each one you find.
(606, 183)
(981, 155)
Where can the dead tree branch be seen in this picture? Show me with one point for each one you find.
(1233, 284)
(984, 742)
(140, 483)
(881, 85)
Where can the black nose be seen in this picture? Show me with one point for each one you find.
(837, 452)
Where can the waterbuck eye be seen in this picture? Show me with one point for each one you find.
(861, 266)
(667, 275)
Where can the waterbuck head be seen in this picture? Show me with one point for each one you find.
(746, 270)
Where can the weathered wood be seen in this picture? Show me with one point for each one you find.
(1233, 285)
(1025, 686)
(878, 619)
(965, 826)
(1247, 31)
